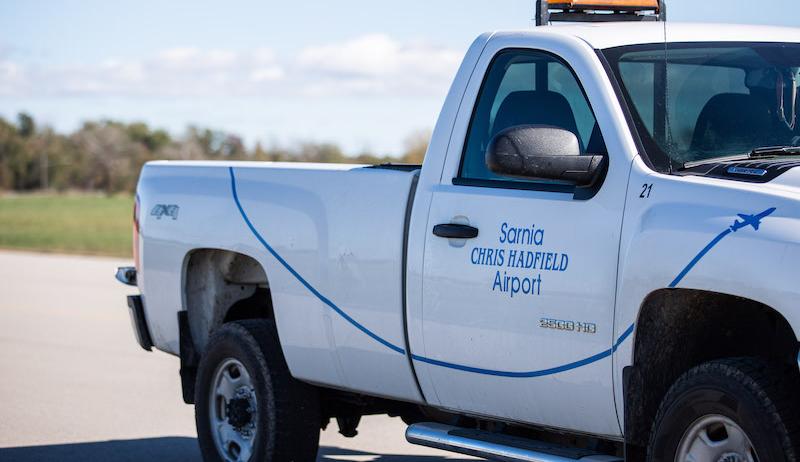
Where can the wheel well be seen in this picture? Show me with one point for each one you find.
(222, 286)
(219, 286)
(679, 329)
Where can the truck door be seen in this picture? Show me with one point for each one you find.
(517, 321)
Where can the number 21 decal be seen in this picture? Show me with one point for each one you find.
(647, 188)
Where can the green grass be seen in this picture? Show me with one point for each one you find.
(72, 223)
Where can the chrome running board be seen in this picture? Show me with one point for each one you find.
(496, 446)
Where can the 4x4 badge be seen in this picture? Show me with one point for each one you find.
(168, 210)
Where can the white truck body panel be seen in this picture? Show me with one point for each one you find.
(609, 35)
(757, 264)
(337, 237)
(331, 240)
(462, 320)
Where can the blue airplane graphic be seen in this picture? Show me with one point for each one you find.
(751, 220)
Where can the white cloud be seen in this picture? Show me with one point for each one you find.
(368, 65)
(184, 60)
(370, 55)
(13, 78)
(190, 72)
(378, 64)
(266, 74)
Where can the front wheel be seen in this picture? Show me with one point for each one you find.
(734, 410)
(247, 405)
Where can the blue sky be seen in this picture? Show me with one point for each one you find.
(364, 74)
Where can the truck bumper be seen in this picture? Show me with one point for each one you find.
(139, 322)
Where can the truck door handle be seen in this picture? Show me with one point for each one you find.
(455, 231)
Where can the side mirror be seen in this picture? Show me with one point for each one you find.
(543, 152)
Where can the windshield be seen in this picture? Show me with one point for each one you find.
(697, 101)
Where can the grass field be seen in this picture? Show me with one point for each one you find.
(72, 223)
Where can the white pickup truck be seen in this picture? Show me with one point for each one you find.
(597, 261)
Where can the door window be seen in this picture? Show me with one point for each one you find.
(525, 87)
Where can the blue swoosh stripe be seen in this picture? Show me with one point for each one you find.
(539, 373)
(302, 280)
(449, 365)
(698, 257)
(748, 220)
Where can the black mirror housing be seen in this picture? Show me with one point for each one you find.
(543, 152)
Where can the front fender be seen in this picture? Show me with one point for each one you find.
(721, 236)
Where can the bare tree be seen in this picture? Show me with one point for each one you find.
(416, 144)
(111, 155)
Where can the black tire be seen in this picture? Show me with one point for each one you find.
(288, 411)
(755, 395)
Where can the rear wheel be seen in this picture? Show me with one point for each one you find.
(248, 407)
(737, 410)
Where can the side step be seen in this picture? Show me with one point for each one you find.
(495, 446)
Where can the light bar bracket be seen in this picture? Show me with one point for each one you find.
(562, 12)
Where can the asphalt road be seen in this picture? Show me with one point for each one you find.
(75, 386)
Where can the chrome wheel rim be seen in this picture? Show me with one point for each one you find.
(715, 438)
(234, 411)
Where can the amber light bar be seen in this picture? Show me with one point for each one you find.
(598, 11)
(608, 5)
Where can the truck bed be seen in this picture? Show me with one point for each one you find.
(330, 239)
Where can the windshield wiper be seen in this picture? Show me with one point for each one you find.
(772, 151)
(757, 153)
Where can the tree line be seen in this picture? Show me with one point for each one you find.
(107, 155)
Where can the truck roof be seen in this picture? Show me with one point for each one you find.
(613, 34)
